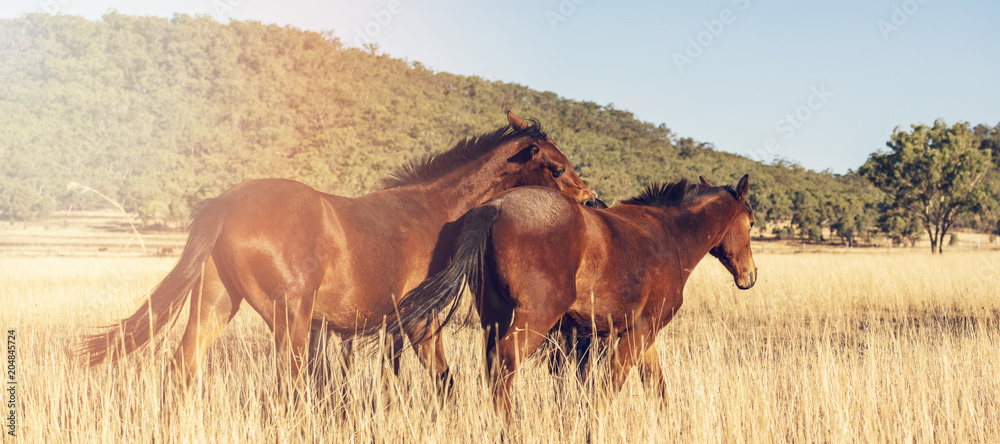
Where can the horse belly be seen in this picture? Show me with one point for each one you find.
(355, 295)
(595, 315)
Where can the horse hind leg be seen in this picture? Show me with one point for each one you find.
(527, 331)
(495, 315)
(431, 353)
(211, 310)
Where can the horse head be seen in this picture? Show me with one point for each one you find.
(539, 161)
(734, 249)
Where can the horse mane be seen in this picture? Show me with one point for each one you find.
(433, 166)
(673, 194)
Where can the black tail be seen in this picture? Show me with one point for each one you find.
(424, 303)
(168, 298)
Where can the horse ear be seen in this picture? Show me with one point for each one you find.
(743, 187)
(515, 121)
(705, 182)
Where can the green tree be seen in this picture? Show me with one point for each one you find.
(809, 214)
(933, 173)
(850, 220)
(899, 226)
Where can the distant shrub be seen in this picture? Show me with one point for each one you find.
(783, 233)
(816, 234)
(953, 240)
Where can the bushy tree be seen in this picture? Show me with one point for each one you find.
(933, 173)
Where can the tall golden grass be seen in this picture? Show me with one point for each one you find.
(899, 347)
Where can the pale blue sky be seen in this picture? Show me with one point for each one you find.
(822, 83)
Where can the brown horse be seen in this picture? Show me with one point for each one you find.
(306, 260)
(535, 260)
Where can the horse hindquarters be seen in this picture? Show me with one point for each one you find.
(168, 298)
(541, 290)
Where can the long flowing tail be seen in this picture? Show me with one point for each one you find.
(168, 298)
(423, 304)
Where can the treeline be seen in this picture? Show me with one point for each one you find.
(159, 114)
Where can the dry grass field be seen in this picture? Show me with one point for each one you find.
(828, 347)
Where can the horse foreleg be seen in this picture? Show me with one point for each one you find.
(651, 372)
(390, 366)
(291, 337)
(346, 361)
(631, 347)
(318, 361)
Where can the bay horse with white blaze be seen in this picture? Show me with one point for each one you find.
(536, 260)
(306, 260)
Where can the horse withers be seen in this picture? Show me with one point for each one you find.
(535, 259)
(308, 261)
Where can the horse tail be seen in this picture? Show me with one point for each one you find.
(168, 298)
(431, 297)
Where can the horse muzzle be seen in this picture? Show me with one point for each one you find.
(595, 203)
(746, 281)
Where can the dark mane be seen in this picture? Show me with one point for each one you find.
(433, 166)
(673, 194)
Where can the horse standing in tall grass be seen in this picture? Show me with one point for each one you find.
(308, 261)
(536, 260)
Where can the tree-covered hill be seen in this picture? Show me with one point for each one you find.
(159, 114)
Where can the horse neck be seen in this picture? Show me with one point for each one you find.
(700, 225)
(469, 185)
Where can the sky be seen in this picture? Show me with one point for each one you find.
(820, 83)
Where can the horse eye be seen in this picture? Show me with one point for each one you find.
(559, 172)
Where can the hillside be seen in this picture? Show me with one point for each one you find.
(158, 114)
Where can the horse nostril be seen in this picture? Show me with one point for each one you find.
(594, 203)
